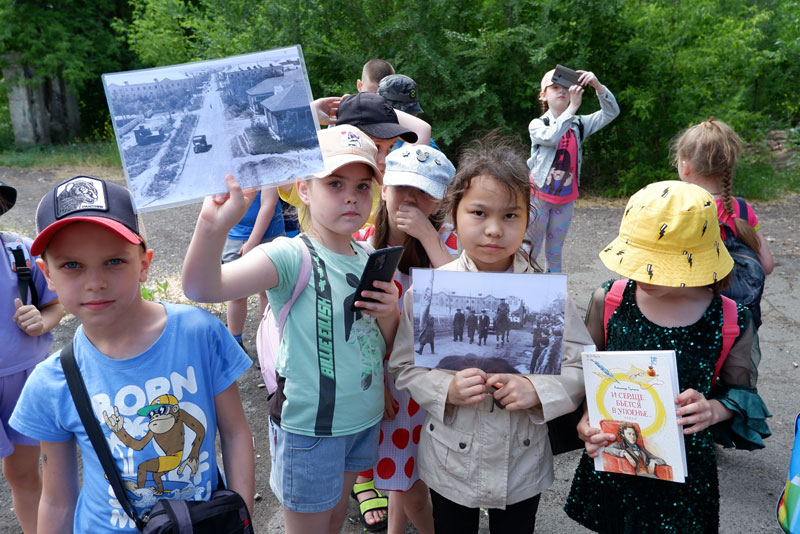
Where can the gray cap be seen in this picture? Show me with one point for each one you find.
(401, 91)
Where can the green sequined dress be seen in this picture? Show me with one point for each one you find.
(611, 502)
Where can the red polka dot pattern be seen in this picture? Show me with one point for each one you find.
(413, 407)
(380, 438)
(410, 467)
(386, 468)
(400, 438)
(415, 435)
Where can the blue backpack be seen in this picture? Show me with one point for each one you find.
(747, 276)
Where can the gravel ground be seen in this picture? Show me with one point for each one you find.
(749, 482)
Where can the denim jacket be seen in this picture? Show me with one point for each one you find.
(544, 139)
(480, 455)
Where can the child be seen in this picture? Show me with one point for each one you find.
(155, 372)
(706, 155)
(555, 162)
(409, 214)
(669, 248)
(262, 223)
(472, 454)
(324, 416)
(26, 339)
(373, 115)
(401, 92)
(373, 72)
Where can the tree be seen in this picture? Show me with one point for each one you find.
(53, 56)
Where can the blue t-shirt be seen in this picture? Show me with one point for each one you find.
(332, 369)
(169, 386)
(20, 351)
(244, 228)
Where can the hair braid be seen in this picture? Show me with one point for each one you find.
(725, 189)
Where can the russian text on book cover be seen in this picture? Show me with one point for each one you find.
(632, 395)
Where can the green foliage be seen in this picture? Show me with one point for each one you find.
(478, 63)
(160, 292)
(80, 155)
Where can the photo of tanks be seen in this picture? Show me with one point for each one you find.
(181, 129)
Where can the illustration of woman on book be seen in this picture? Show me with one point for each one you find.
(631, 448)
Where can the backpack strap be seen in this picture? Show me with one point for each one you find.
(300, 285)
(80, 397)
(20, 261)
(730, 331)
(612, 302)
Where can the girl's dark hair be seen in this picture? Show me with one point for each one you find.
(496, 155)
(414, 254)
(712, 149)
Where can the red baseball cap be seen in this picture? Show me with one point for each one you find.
(87, 199)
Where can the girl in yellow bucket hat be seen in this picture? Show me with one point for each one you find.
(669, 249)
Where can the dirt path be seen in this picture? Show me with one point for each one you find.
(750, 482)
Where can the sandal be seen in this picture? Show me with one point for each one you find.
(373, 503)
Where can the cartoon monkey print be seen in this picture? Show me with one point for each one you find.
(167, 427)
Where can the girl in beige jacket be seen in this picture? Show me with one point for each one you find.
(473, 454)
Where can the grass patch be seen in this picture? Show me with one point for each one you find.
(82, 154)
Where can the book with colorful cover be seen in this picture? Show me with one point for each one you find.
(632, 395)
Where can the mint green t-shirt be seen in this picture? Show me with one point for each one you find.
(330, 370)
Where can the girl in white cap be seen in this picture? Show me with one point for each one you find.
(414, 184)
(555, 163)
(325, 414)
(670, 251)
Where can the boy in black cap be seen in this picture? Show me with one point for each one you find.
(30, 311)
(155, 372)
(375, 116)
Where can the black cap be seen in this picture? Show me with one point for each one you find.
(86, 199)
(401, 92)
(374, 115)
(8, 196)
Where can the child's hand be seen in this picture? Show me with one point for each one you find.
(588, 78)
(390, 405)
(694, 410)
(326, 109)
(514, 392)
(594, 439)
(386, 295)
(28, 318)
(467, 387)
(575, 99)
(224, 210)
(412, 221)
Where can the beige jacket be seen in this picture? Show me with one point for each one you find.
(476, 455)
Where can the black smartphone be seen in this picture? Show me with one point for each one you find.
(565, 77)
(381, 265)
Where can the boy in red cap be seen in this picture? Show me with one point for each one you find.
(129, 351)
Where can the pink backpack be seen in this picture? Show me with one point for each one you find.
(270, 331)
(730, 322)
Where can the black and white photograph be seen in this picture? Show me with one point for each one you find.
(498, 322)
(181, 129)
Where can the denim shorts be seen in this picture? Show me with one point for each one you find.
(308, 472)
(10, 390)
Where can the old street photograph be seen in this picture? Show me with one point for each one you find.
(181, 129)
(498, 322)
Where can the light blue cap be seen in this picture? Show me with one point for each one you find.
(419, 166)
